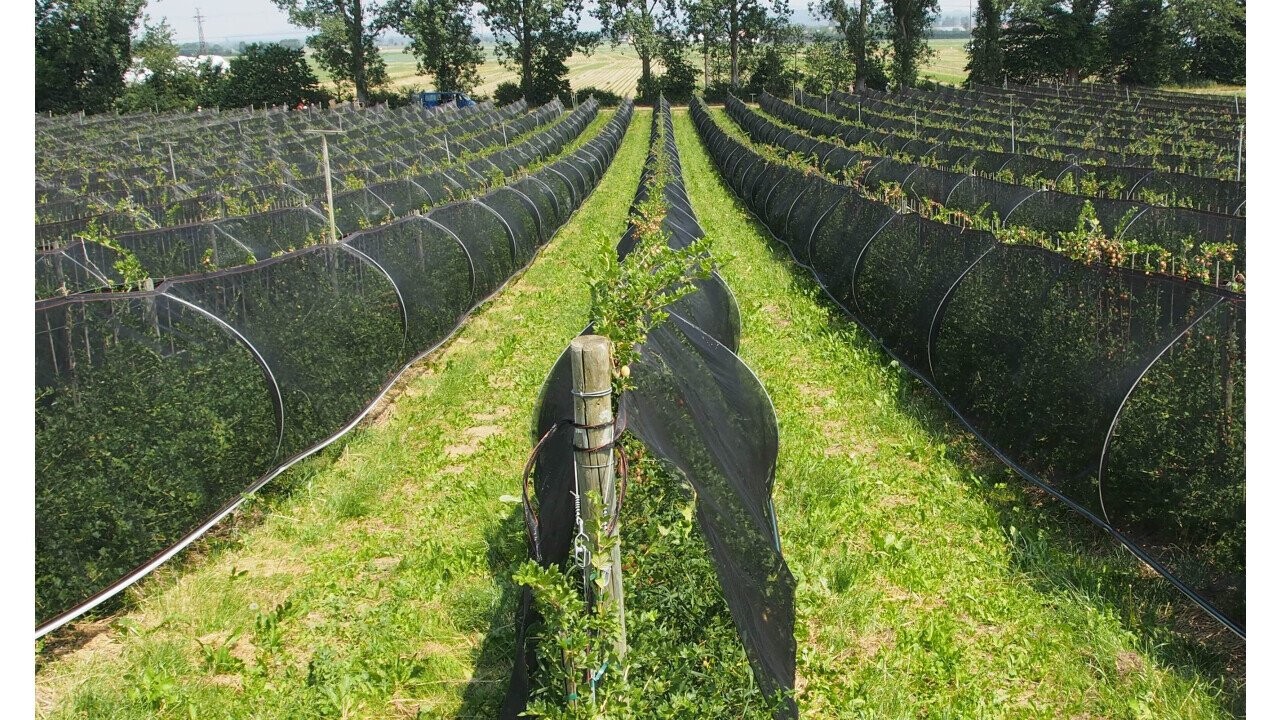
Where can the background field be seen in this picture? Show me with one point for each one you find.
(618, 69)
(607, 68)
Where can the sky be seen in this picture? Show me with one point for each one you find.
(234, 21)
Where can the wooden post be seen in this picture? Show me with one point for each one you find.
(173, 171)
(328, 177)
(1240, 154)
(593, 413)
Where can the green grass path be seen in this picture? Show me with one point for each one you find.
(394, 551)
(917, 598)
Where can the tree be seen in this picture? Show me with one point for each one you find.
(441, 39)
(83, 48)
(270, 74)
(856, 21)
(346, 36)
(1053, 39)
(1139, 37)
(536, 37)
(161, 81)
(908, 23)
(1209, 39)
(828, 66)
(649, 25)
(986, 57)
(738, 23)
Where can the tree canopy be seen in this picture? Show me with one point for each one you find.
(83, 48)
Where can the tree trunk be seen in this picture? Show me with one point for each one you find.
(733, 43)
(646, 62)
(355, 34)
(526, 52)
(860, 46)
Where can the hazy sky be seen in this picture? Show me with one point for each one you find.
(242, 20)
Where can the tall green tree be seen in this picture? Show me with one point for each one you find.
(1140, 42)
(83, 48)
(167, 83)
(346, 36)
(536, 37)
(648, 25)
(1053, 39)
(986, 57)
(739, 24)
(1210, 39)
(270, 74)
(908, 22)
(442, 40)
(857, 22)
(828, 66)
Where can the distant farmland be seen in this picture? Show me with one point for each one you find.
(607, 68)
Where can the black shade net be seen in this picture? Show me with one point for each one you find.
(1183, 232)
(701, 410)
(156, 412)
(994, 157)
(171, 252)
(1118, 392)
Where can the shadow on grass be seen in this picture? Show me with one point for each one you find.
(483, 695)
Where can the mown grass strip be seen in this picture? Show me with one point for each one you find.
(378, 583)
(931, 582)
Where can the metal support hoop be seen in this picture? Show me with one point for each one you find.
(471, 265)
(1115, 420)
(934, 327)
(404, 307)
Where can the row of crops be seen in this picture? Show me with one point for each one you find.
(101, 257)
(1174, 141)
(157, 411)
(236, 166)
(699, 410)
(1096, 96)
(1118, 390)
(1189, 243)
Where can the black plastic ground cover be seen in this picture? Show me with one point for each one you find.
(157, 412)
(1221, 196)
(700, 409)
(1178, 230)
(173, 252)
(1119, 393)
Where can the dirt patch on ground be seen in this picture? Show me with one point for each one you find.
(471, 439)
(776, 315)
(1128, 662)
(871, 644)
(405, 386)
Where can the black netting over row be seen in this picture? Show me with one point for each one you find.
(1070, 170)
(701, 410)
(1184, 233)
(995, 119)
(270, 176)
(1118, 392)
(173, 252)
(139, 166)
(157, 411)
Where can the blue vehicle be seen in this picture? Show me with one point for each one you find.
(436, 98)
